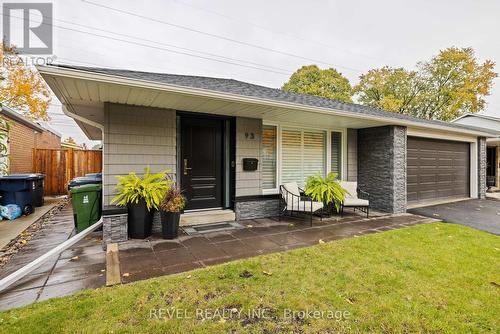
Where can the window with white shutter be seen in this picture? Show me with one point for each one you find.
(303, 153)
(292, 154)
(269, 156)
(336, 153)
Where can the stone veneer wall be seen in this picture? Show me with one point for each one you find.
(497, 164)
(382, 167)
(481, 165)
(256, 208)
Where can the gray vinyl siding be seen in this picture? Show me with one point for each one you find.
(136, 137)
(352, 155)
(248, 145)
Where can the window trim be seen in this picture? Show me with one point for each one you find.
(279, 127)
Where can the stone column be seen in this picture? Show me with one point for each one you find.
(497, 166)
(481, 165)
(382, 167)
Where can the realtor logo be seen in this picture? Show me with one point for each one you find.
(28, 27)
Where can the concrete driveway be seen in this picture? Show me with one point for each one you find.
(483, 214)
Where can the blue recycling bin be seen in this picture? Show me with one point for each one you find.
(19, 189)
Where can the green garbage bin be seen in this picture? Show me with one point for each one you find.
(86, 200)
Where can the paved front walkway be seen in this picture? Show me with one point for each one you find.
(10, 229)
(483, 214)
(80, 267)
(142, 259)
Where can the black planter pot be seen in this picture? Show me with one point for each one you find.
(140, 220)
(170, 224)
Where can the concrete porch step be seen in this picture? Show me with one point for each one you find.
(207, 217)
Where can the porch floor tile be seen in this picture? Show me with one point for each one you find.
(156, 257)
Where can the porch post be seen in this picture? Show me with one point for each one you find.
(481, 165)
(382, 167)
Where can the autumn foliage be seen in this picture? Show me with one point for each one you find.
(21, 86)
(450, 84)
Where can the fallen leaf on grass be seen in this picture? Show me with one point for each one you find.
(267, 273)
(188, 276)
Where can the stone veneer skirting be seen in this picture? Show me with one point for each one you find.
(481, 165)
(156, 223)
(114, 228)
(382, 167)
(258, 208)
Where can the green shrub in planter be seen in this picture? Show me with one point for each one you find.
(326, 190)
(141, 196)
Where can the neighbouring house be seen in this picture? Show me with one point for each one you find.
(203, 129)
(24, 136)
(493, 145)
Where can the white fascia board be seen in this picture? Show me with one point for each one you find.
(112, 79)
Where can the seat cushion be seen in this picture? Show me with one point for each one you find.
(292, 187)
(292, 195)
(355, 202)
(351, 187)
(305, 206)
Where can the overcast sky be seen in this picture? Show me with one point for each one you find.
(263, 42)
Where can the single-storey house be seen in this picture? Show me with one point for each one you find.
(204, 130)
(493, 145)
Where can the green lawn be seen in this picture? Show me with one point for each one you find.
(430, 278)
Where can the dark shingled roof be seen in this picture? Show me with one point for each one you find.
(240, 88)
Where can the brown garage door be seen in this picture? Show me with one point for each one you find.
(437, 169)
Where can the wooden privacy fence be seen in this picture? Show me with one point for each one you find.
(60, 166)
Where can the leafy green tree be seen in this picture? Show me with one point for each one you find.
(449, 85)
(327, 83)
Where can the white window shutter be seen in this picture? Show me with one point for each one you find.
(269, 156)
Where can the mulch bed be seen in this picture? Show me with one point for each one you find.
(22, 239)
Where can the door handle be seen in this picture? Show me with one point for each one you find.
(186, 168)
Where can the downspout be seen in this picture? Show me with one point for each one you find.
(25, 270)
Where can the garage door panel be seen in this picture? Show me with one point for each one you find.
(437, 169)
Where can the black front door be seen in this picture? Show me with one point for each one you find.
(201, 162)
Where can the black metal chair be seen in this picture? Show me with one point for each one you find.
(356, 198)
(294, 203)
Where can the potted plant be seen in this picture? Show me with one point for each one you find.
(141, 196)
(326, 189)
(170, 212)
